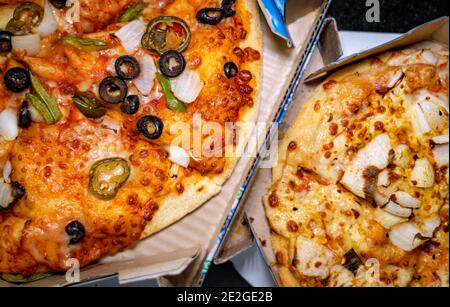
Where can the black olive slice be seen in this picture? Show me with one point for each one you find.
(18, 191)
(59, 4)
(76, 231)
(127, 67)
(227, 8)
(172, 64)
(151, 127)
(210, 16)
(231, 70)
(131, 105)
(113, 90)
(17, 79)
(24, 115)
(5, 41)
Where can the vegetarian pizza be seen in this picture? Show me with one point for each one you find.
(360, 193)
(103, 112)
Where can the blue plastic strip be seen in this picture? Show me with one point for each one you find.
(275, 18)
(281, 6)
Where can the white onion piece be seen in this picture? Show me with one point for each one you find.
(30, 43)
(429, 226)
(73, 13)
(178, 155)
(187, 86)
(435, 117)
(146, 79)
(131, 34)
(406, 200)
(404, 236)
(421, 120)
(6, 197)
(430, 58)
(423, 174)
(383, 178)
(441, 139)
(388, 220)
(380, 199)
(403, 155)
(49, 23)
(397, 210)
(7, 170)
(35, 115)
(395, 78)
(9, 126)
(441, 155)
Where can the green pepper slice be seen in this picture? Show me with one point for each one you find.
(132, 13)
(107, 177)
(172, 102)
(26, 17)
(44, 103)
(88, 105)
(86, 44)
(21, 279)
(166, 33)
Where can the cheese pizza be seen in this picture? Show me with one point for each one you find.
(101, 107)
(360, 191)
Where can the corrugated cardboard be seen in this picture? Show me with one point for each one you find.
(434, 34)
(181, 254)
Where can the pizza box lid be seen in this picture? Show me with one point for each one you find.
(434, 34)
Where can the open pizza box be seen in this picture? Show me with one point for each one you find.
(434, 34)
(181, 254)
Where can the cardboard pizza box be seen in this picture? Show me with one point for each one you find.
(434, 34)
(181, 254)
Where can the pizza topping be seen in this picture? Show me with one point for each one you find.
(76, 231)
(397, 210)
(352, 261)
(132, 13)
(130, 35)
(441, 155)
(88, 105)
(187, 86)
(7, 170)
(227, 7)
(86, 44)
(9, 127)
(383, 178)
(17, 79)
(21, 279)
(113, 90)
(312, 259)
(172, 64)
(441, 139)
(26, 17)
(178, 155)
(166, 33)
(146, 79)
(435, 116)
(210, 16)
(429, 57)
(24, 116)
(388, 220)
(5, 41)
(403, 155)
(406, 200)
(231, 70)
(151, 127)
(59, 4)
(49, 23)
(131, 105)
(422, 175)
(404, 236)
(171, 101)
(10, 193)
(31, 44)
(127, 67)
(44, 103)
(107, 177)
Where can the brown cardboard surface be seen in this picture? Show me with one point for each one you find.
(184, 246)
(433, 35)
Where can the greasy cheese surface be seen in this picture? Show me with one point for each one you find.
(309, 203)
(53, 162)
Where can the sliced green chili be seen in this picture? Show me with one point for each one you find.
(21, 279)
(172, 102)
(88, 105)
(44, 103)
(26, 16)
(132, 13)
(107, 177)
(86, 44)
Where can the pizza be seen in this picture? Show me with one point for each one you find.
(117, 119)
(360, 192)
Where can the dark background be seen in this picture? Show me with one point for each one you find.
(396, 16)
